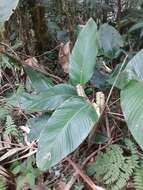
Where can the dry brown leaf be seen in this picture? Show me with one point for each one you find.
(61, 185)
(40, 187)
(64, 54)
(32, 62)
(6, 138)
(3, 172)
(10, 153)
(9, 177)
(2, 49)
(100, 101)
(25, 156)
(25, 129)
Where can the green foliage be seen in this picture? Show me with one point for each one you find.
(123, 78)
(45, 101)
(134, 68)
(39, 81)
(58, 134)
(78, 186)
(7, 61)
(66, 129)
(83, 58)
(26, 172)
(132, 105)
(111, 45)
(7, 122)
(113, 168)
(3, 184)
(73, 117)
(36, 125)
(137, 26)
(6, 9)
(131, 97)
(10, 127)
(50, 100)
(3, 113)
(20, 99)
(67, 119)
(136, 161)
(138, 177)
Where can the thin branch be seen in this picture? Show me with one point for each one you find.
(47, 52)
(116, 79)
(22, 63)
(72, 181)
(84, 177)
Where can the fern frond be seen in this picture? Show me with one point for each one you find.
(3, 113)
(3, 184)
(138, 177)
(131, 146)
(7, 179)
(132, 160)
(113, 168)
(10, 127)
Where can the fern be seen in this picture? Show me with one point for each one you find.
(132, 160)
(113, 168)
(10, 127)
(3, 184)
(3, 113)
(131, 146)
(138, 177)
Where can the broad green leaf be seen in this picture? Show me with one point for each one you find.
(136, 26)
(100, 138)
(67, 128)
(83, 58)
(6, 9)
(36, 125)
(20, 181)
(132, 97)
(134, 69)
(20, 99)
(109, 40)
(46, 101)
(38, 80)
(7, 61)
(31, 179)
(16, 169)
(51, 99)
(123, 77)
(132, 107)
(99, 78)
(3, 113)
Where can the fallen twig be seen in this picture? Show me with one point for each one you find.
(116, 79)
(72, 181)
(84, 177)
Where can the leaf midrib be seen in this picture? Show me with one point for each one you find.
(66, 125)
(63, 95)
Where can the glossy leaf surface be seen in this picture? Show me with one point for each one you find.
(39, 81)
(51, 99)
(132, 106)
(109, 40)
(83, 58)
(67, 128)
